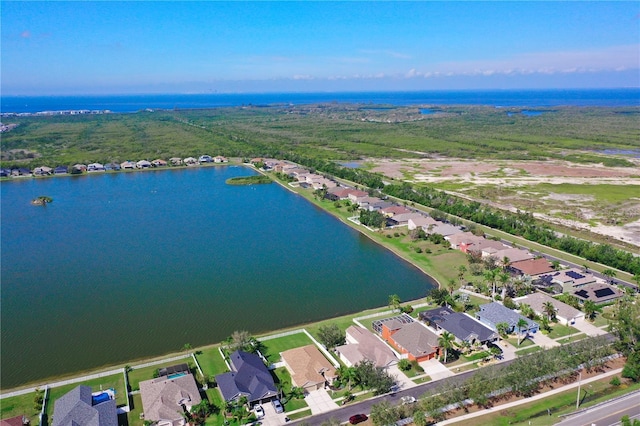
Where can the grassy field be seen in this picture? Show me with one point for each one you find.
(559, 330)
(280, 344)
(21, 405)
(141, 374)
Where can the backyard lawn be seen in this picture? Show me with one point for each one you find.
(115, 382)
(146, 373)
(280, 344)
(21, 405)
(211, 361)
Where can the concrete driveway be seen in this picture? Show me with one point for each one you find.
(320, 401)
(435, 369)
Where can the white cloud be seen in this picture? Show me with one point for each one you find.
(617, 58)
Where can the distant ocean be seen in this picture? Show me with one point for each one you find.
(497, 98)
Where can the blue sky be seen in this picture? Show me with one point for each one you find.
(201, 47)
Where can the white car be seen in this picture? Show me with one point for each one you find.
(407, 400)
(259, 411)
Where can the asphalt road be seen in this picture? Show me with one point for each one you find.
(364, 407)
(609, 413)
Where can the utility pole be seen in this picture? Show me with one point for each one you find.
(579, 383)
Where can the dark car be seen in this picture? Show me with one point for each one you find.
(358, 418)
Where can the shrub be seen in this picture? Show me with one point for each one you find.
(615, 381)
(418, 250)
(404, 364)
(417, 367)
(406, 309)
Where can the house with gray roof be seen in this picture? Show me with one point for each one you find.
(493, 313)
(78, 407)
(249, 377)
(165, 398)
(462, 326)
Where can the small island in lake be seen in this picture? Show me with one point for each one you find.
(41, 201)
(248, 180)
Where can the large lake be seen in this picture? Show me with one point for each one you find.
(128, 265)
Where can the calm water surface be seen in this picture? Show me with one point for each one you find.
(127, 265)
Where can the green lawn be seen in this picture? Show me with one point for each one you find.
(136, 410)
(572, 338)
(523, 343)
(280, 344)
(301, 414)
(559, 330)
(21, 405)
(211, 361)
(528, 350)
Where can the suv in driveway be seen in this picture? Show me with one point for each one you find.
(277, 406)
(259, 411)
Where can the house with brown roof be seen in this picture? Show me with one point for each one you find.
(402, 219)
(462, 239)
(421, 221)
(361, 344)
(444, 229)
(512, 254)
(394, 210)
(354, 194)
(165, 398)
(483, 244)
(309, 369)
(408, 337)
(598, 293)
(531, 267)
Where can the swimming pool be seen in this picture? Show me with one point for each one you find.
(176, 375)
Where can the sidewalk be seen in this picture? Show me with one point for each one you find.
(530, 399)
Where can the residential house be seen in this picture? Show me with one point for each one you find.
(112, 166)
(338, 193)
(42, 171)
(190, 161)
(165, 398)
(598, 293)
(175, 161)
(143, 164)
(249, 377)
(365, 202)
(421, 221)
(531, 267)
(79, 407)
(482, 245)
(494, 313)
(354, 194)
(565, 314)
(402, 219)
(21, 420)
(361, 344)
(394, 210)
(511, 253)
(462, 240)
(220, 159)
(61, 170)
(95, 167)
(309, 369)
(410, 338)
(159, 163)
(5, 172)
(444, 229)
(128, 165)
(464, 327)
(566, 281)
(379, 205)
(205, 159)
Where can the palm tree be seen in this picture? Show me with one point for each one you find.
(610, 273)
(506, 262)
(590, 308)
(394, 302)
(549, 310)
(446, 342)
(503, 277)
(461, 271)
(522, 324)
(490, 276)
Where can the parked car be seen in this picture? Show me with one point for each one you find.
(259, 411)
(277, 406)
(407, 400)
(358, 418)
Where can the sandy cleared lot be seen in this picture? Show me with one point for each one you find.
(579, 211)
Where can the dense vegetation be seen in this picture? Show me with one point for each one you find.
(328, 132)
(248, 180)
